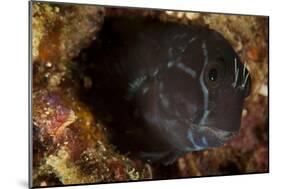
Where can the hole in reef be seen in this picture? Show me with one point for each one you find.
(105, 94)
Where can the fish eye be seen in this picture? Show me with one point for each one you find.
(214, 73)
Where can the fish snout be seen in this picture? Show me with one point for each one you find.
(209, 137)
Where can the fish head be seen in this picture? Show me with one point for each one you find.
(197, 97)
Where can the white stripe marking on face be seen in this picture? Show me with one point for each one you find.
(190, 137)
(236, 71)
(203, 86)
(187, 69)
(204, 140)
(204, 117)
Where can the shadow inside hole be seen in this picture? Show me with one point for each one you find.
(107, 95)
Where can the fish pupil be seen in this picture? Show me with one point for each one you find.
(213, 74)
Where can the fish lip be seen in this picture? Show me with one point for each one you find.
(222, 135)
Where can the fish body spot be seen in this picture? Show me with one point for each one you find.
(170, 64)
(145, 89)
(155, 72)
(165, 102)
(192, 39)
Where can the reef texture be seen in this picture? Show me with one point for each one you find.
(72, 146)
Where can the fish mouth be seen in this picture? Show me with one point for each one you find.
(219, 135)
(222, 135)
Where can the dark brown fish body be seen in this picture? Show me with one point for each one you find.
(175, 88)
